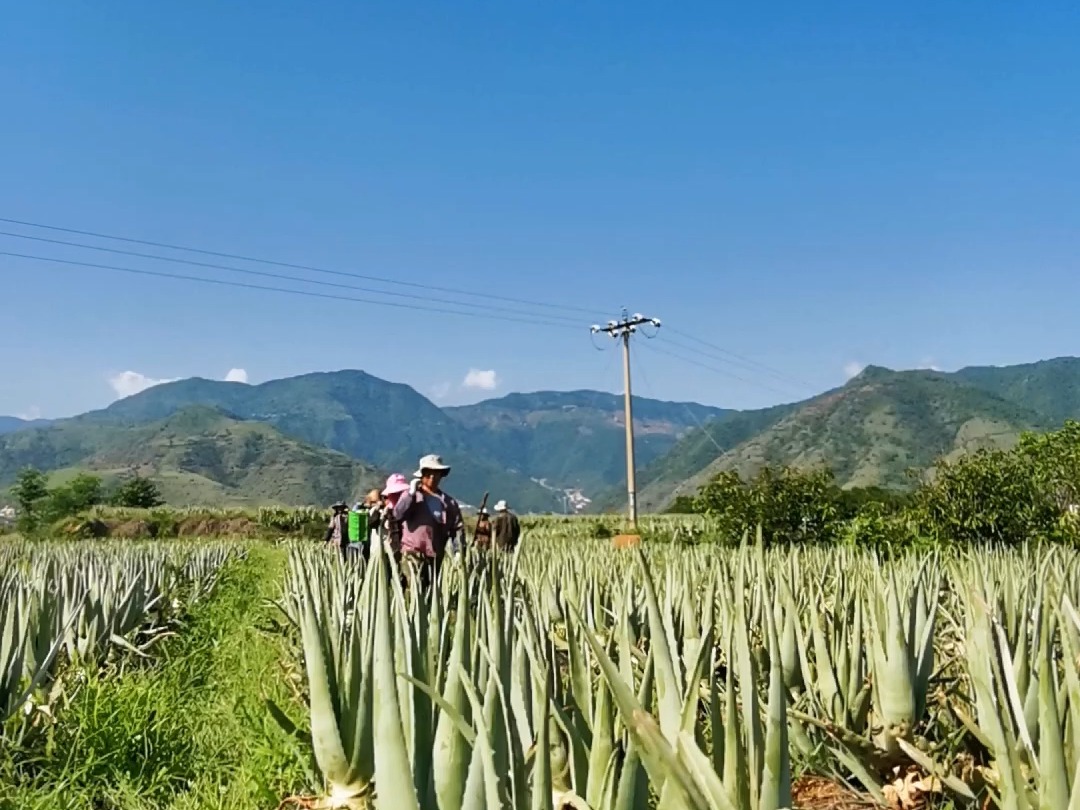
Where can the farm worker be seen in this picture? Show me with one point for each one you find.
(482, 536)
(505, 528)
(337, 533)
(430, 518)
(388, 527)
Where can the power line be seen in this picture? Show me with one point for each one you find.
(690, 411)
(746, 361)
(715, 369)
(307, 293)
(748, 367)
(279, 276)
(289, 265)
(724, 355)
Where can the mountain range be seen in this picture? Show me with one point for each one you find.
(198, 455)
(9, 424)
(531, 449)
(317, 437)
(879, 429)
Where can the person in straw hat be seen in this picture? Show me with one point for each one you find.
(337, 533)
(505, 527)
(430, 519)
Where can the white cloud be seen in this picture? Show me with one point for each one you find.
(129, 383)
(929, 363)
(30, 414)
(852, 368)
(237, 375)
(482, 380)
(440, 391)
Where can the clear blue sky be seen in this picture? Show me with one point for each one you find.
(812, 186)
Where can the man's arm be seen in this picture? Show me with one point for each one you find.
(404, 504)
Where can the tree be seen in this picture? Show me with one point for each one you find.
(726, 499)
(83, 492)
(1054, 460)
(31, 491)
(878, 500)
(988, 496)
(682, 505)
(138, 493)
(790, 505)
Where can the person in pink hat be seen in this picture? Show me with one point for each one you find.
(389, 528)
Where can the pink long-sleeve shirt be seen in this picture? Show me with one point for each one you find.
(428, 522)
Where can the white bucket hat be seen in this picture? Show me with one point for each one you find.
(433, 463)
(500, 506)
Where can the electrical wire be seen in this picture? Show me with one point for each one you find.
(285, 277)
(702, 427)
(740, 359)
(791, 387)
(714, 369)
(307, 293)
(745, 363)
(711, 351)
(292, 266)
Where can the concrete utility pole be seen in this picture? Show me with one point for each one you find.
(622, 330)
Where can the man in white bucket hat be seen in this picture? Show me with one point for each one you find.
(430, 519)
(505, 528)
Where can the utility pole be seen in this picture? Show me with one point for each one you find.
(622, 330)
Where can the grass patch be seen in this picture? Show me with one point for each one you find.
(190, 732)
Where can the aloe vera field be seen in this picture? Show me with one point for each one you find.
(570, 674)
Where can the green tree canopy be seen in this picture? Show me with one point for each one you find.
(30, 491)
(790, 505)
(138, 493)
(81, 493)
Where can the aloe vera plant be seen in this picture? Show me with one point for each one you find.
(568, 676)
(82, 604)
(501, 709)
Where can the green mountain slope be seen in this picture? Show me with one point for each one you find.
(528, 448)
(1051, 387)
(200, 455)
(871, 432)
(387, 424)
(9, 424)
(691, 454)
(576, 439)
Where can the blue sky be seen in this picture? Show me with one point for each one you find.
(811, 186)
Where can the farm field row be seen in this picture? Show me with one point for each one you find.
(251, 674)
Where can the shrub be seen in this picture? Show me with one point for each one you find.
(163, 523)
(788, 505)
(883, 529)
(988, 496)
